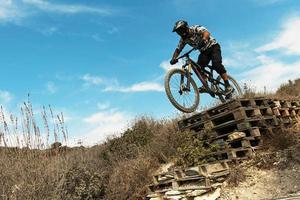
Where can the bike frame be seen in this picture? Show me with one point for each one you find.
(199, 71)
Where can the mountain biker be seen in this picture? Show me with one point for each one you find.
(198, 36)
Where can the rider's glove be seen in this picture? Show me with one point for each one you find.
(173, 61)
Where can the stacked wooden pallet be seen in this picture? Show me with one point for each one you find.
(287, 111)
(237, 127)
(179, 182)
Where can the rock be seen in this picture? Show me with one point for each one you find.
(173, 193)
(153, 195)
(174, 197)
(216, 185)
(156, 198)
(236, 135)
(196, 193)
(210, 195)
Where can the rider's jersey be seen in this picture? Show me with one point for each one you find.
(195, 40)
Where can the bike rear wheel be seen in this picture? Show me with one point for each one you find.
(177, 91)
(237, 89)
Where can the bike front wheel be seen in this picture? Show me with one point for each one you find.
(183, 95)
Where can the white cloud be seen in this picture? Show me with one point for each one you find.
(240, 59)
(92, 80)
(138, 87)
(271, 73)
(66, 8)
(49, 31)
(10, 11)
(103, 105)
(104, 117)
(51, 87)
(113, 30)
(104, 124)
(286, 40)
(166, 66)
(237, 55)
(5, 96)
(97, 37)
(266, 69)
(112, 85)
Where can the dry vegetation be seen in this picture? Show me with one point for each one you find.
(287, 90)
(292, 88)
(120, 168)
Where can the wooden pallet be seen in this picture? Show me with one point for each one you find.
(295, 103)
(281, 112)
(191, 178)
(237, 114)
(163, 177)
(205, 170)
(249, 132)
(245, 142)
(162, 187)
(199, 117)
(280, 103)
(243, 109)
(185, 183)
(191, 182)
(223, 108)
(231, 154)
(227, 128)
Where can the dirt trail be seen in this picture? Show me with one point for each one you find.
(265, 184)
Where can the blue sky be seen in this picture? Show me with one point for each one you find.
(102, 62)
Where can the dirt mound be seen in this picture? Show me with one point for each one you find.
(267, 176)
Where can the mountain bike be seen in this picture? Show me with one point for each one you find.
(183, 92)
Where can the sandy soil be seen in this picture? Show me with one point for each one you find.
(264, 184)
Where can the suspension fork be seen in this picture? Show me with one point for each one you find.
(188, 74)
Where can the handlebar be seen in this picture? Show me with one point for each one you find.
(186, 54)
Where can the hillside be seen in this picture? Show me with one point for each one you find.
(122, 167)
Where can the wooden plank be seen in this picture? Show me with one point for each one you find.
(199, 117)
(261, 102)
(231, 154)
(240, 153)
(231, 105)
(266, 111)
(236, 114)
(245, 142)
(250, 132)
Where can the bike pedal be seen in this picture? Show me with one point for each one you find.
(202, 90)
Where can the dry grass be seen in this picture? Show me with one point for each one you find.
(118, 169)
(285, 91)
(290, 89)
(236, 176)
(23, 130)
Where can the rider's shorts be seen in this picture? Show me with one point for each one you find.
(212, 54)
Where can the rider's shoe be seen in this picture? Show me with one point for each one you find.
(228, 89)
(202, 89)
(228, 96)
